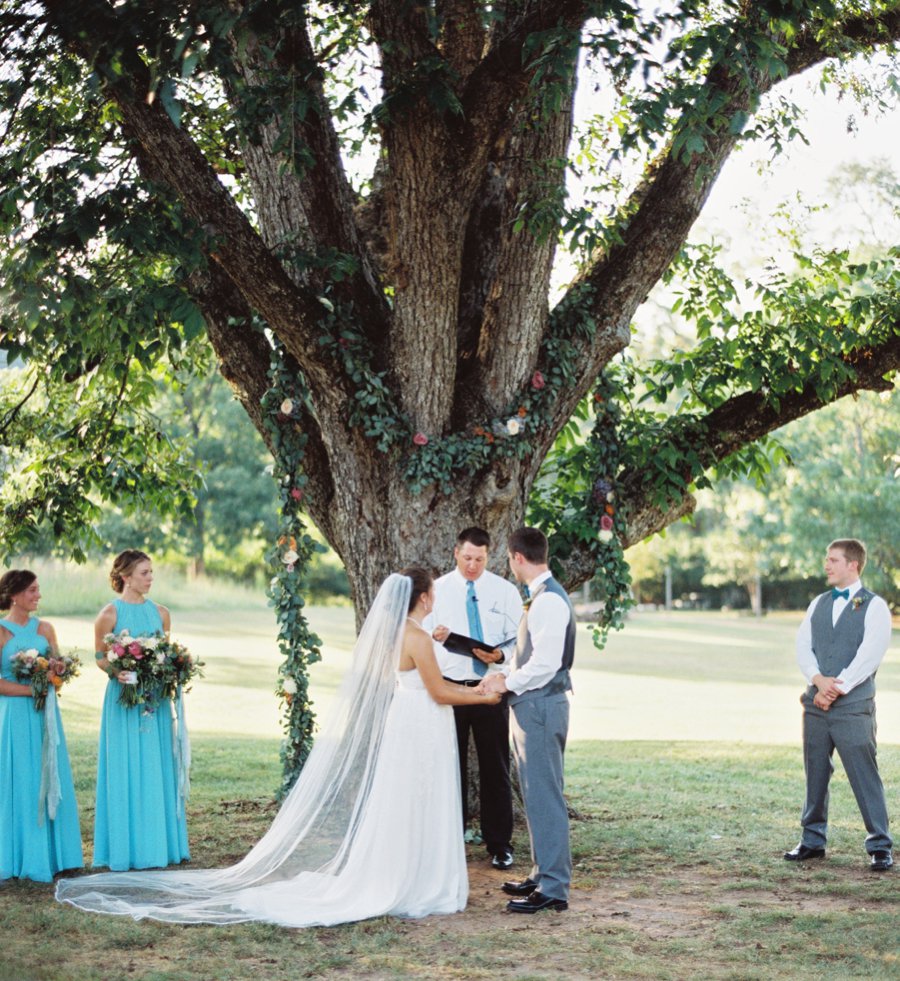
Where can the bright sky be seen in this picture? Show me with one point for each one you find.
(805, 168)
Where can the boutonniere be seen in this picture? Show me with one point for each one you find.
(858, 601)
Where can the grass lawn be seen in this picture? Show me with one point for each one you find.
(685, 775)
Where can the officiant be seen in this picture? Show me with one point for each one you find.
(472, 602)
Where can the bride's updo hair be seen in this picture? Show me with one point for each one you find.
(123, 565)
(422, 581)
(12, 583)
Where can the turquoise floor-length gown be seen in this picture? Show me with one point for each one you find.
(31, 846)
(137, 824)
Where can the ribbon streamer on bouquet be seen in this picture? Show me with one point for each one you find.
(181, 748)
(50, 794)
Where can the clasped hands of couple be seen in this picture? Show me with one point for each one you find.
(493, 684)
(827, 692)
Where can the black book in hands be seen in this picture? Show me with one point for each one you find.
(461, 644)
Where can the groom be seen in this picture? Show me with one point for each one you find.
(538, 686)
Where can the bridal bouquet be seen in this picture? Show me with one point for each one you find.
(134, 657)
(43, 671)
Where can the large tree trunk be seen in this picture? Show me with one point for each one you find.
(423, 308)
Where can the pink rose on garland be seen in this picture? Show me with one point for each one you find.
(538, 381)
(420, 439)
(296, 494)
(606, 522)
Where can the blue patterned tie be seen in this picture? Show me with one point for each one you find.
(474, 625)
(840, 592)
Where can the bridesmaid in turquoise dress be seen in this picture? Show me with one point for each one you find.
(32, 846)
(139, 822)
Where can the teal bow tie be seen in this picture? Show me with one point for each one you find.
(840, 592)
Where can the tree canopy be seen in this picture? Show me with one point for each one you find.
(172, 170)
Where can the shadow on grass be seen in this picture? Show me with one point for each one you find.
(678, 874)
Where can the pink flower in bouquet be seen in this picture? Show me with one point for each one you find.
(135, 650)
(606, 522)
(117, 650)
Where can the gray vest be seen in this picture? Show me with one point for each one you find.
(836, 646)
(561, 681)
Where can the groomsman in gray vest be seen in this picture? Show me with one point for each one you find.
(538, 685)
(840, 644)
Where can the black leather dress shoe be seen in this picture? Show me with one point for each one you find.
(524, 888)
(502, 860)
(882, 860)
(536, 902)
(802, 852)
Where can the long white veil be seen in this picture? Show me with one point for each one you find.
(315, 827)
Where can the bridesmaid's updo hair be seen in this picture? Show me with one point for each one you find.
(421, 582)
(123, 565)
(12, 583)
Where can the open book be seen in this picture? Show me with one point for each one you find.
(461, 644)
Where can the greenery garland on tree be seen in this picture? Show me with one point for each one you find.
(289, 558)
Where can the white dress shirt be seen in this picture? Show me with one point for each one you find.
(876, 640)
(499, 609)
(548, 621)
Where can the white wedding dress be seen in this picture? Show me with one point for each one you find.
(408, 856)
(371, 828)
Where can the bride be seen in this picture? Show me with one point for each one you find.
(371, 827)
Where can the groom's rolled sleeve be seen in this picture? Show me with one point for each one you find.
(548, 621)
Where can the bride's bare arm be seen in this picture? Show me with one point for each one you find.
(420, 650)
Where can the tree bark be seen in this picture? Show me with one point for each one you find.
(440, 299)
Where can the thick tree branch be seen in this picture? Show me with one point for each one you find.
(749, 416)
(303, 197)
(501, 79)
(671, 198)
(814, 44)
(506, 273)
(736, 423)
(752, 415)
(169, 157)
(462, 37)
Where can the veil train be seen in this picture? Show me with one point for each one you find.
(312, 837)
